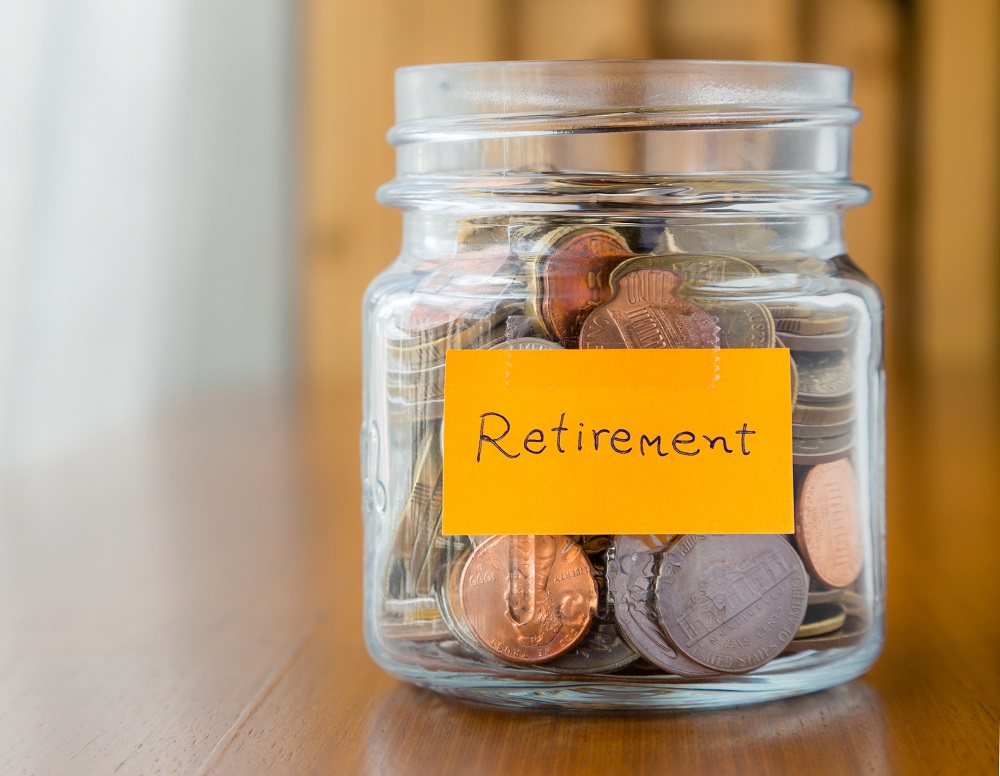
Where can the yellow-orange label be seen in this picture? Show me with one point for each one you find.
(617, 441)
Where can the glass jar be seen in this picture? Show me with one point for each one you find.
(625, 204)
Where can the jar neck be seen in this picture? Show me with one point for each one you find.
(430, 235)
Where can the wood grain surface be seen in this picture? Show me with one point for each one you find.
(185, 598)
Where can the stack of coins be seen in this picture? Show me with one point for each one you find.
(688, 605)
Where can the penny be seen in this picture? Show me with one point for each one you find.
(731, 602)
(823, 376)
(741, 324)
(573, 270)
(853, 632)
(821, 619)
(631, 574)
(818, 343)
(602, 651)
(804, 431)
(820, 450)
(822, 414)
(828, 524)
(645, 314)
(528, 599)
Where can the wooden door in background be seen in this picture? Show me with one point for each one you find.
(927, 78)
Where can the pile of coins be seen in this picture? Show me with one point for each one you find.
(685, 605)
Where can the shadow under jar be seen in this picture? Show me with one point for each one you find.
(619, 204)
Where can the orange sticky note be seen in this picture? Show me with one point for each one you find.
(617, 441)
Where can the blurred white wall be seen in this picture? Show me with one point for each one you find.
(145, 210)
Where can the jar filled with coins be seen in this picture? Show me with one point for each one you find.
(622, 443)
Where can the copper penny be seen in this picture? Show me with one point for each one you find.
(528, 599)
(645, 314)
(828, 524)
(731, 602)
(573, 270)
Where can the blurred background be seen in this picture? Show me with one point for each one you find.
(187, 187)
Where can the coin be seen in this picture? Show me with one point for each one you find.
(572, 269)
(731, 602)
(807, 451)
(821, 596)
(420, 522)
(795, 373)
(644, 313)
(822, 414)
(823, 376)
(431, 347)
(741, 324)
(698, 271)
(819, 342)
(815, 323)
(602, 651)
(828, 524)
(528, 343)
(631, 574)
(821, 619)
(803, 431)
(528, 599)
(850, 634)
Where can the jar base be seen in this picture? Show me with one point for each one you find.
(789, 676)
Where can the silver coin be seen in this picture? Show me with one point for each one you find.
(809, 431)
(733, 602)
(602, 651)
(823, 376)
(810, 451)
(631, 574)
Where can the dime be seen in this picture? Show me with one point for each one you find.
(528, 599)
(823, 377)
(741, 324)
(601, 652)
(818, 450)
(822, 414)
(528, 343)
(645, 314)
(572, 269)
(818, 343)
(731, 602)
(821, 619)
(828, 524)
(853, 632)
(631, 574)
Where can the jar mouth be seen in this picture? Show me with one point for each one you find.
(500, 89)
(526, 132)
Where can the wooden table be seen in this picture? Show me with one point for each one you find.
(185, 598)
